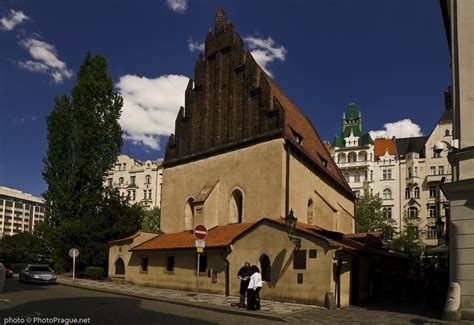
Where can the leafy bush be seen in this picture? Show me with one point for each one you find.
(16, 267)
(93, 272)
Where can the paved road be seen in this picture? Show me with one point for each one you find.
(106, 308)
(47, 301)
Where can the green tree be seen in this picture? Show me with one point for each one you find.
(24, 248)
(84, 140)
(409, 240)
(151, 220)
(370, 216)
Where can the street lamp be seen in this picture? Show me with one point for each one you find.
(290, 221)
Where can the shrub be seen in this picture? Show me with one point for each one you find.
(93, 272)
(16, 267)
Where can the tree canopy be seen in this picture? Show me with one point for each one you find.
(370, 216)
(84, 140)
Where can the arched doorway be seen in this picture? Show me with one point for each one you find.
(119, 267)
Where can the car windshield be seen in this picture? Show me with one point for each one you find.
(39, 269)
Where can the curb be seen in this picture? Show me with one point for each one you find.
(220, 309)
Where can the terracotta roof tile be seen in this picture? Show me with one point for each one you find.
(219, 236)
(380, 145)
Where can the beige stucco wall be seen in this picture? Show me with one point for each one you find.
(121, 250)
(305, 185)
(184, 275)
(257, 171)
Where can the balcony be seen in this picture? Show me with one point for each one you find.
(351, 164)
(434, 178)
(412, 180)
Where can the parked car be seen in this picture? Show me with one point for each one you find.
(8, 273)
(35, 273)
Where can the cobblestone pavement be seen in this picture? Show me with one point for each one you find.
(271, 307)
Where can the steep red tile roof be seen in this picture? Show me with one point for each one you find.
(328, 146)
(380, 145)
(312, 145)
(219, 236)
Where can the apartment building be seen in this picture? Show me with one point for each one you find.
(406, 173)
(140, 181)
(19, 212)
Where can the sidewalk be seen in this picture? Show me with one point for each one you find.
(273, 310)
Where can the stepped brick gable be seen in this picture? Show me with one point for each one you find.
(232, 103)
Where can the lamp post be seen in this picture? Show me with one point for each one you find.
(290, 222)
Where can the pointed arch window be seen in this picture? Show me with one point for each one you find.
(310, 212)
(189, 214)
(236, 207)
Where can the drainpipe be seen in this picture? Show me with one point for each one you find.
(224, 253)
(287, 180)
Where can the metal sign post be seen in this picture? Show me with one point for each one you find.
(73, 252)
(200, 232)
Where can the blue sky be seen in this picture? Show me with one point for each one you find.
(390, 57)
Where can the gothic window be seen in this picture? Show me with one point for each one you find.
(189, 214)
(236, 207)
(265, 267)
(310, 211)
(119, 267)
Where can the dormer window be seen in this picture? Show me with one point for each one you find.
(323, 161)
(298, 137)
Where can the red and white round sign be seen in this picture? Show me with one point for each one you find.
(200, 232)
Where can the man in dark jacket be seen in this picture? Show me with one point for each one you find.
(244, 275)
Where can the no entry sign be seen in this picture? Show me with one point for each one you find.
(200, 232)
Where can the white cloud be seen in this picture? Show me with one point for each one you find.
(400, 129)
(265, 51)
(46, 60)
(178, 5)
(150, 107)
(195, 46)
(9, 22)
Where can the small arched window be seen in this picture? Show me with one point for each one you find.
(407, 193)
(119, 267)
(265, 267)
(387, 194)
(417, 192)
(189, 214)
(446, 133)
(121, 180)
(147, 179)
(310, 211)
(236, 207)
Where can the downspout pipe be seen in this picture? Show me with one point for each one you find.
(224, 253)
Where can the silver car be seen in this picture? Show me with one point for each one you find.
(37, 274)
